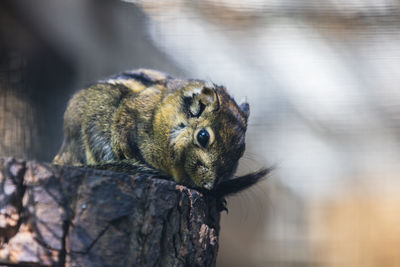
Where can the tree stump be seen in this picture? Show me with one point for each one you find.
(67, 216)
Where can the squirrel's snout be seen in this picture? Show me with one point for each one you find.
(208, 185)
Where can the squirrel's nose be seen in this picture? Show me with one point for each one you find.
(208, 185)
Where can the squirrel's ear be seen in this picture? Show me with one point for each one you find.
(245, 107)
(201, 99)
(207, 96)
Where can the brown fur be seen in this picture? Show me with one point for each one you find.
(147, 118)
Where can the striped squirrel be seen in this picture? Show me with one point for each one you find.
(146, 121)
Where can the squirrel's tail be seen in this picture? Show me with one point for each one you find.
(238, 184)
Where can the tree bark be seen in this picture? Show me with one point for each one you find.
(66, 216)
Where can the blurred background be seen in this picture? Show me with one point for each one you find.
(322, 81)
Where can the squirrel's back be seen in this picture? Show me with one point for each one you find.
(90, 113)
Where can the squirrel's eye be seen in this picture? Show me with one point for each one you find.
(203, 137)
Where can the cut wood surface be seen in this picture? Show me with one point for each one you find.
(67, 216)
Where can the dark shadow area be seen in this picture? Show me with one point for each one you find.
(51, 50)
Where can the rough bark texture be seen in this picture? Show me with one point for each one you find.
(64, 216)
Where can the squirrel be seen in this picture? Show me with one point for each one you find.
(144, 120)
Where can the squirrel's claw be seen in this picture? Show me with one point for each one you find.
(221, 206)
